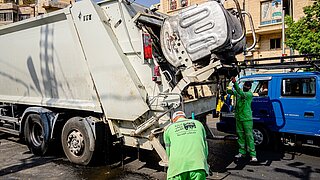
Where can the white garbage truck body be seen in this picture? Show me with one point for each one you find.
(90, 72)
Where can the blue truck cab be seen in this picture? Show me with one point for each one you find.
(284, 104)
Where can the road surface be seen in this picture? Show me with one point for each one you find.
(17, 162)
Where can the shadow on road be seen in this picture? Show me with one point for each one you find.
(143, 164)
(221, 154)
(26, 163)
(150, 159)
(296, 168)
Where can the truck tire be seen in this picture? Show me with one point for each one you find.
(76, 142)
(37, 133)
(261, 136)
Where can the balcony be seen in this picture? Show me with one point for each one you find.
(56, 4)
(8, 6)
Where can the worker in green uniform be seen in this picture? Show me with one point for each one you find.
(243, 115)
(187, 149)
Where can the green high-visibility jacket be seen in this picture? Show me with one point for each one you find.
(186, 147)
(243, 110)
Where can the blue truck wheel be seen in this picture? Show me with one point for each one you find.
(261, 136)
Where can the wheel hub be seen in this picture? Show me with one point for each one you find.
(258, 136)
(37, 134)
(75, 143)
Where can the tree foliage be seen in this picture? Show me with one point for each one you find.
(304, 35)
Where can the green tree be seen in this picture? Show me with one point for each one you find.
(304, 35)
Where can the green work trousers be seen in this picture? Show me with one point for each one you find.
(191, 175)
(245, 137)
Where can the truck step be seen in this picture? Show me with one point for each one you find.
(9, 131)
(9, 119)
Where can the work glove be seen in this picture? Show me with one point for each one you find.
(233, 79)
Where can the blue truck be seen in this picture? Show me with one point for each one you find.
(285, 105)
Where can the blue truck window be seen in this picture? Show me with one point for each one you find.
(254, 86)
(259, 87)
(298, 87)
(262, 88)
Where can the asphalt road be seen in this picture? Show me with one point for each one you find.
(16, 162)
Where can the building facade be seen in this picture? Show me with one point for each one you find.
(8, 12)
(267, 19)
(17, 10)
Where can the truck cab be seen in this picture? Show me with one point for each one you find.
(285, 104)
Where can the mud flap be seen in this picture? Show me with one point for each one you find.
(89, 124)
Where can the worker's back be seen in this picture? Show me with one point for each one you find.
(187, 147)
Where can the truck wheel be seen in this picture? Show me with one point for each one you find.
(36, 133)
(76, 142)
(261, 136)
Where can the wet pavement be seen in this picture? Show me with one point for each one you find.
(17, 162)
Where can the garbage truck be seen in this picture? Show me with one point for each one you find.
(94, 74)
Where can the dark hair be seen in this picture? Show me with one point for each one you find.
(248, 84)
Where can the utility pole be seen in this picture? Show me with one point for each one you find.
(283, 33)
(283, 28)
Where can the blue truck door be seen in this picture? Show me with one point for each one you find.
(277, 104)
(262, 110)
(299, 98)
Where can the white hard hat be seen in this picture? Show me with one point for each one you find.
(178, 113)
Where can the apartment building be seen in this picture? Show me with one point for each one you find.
(267, 19)
(8, 12)
(17, 10)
